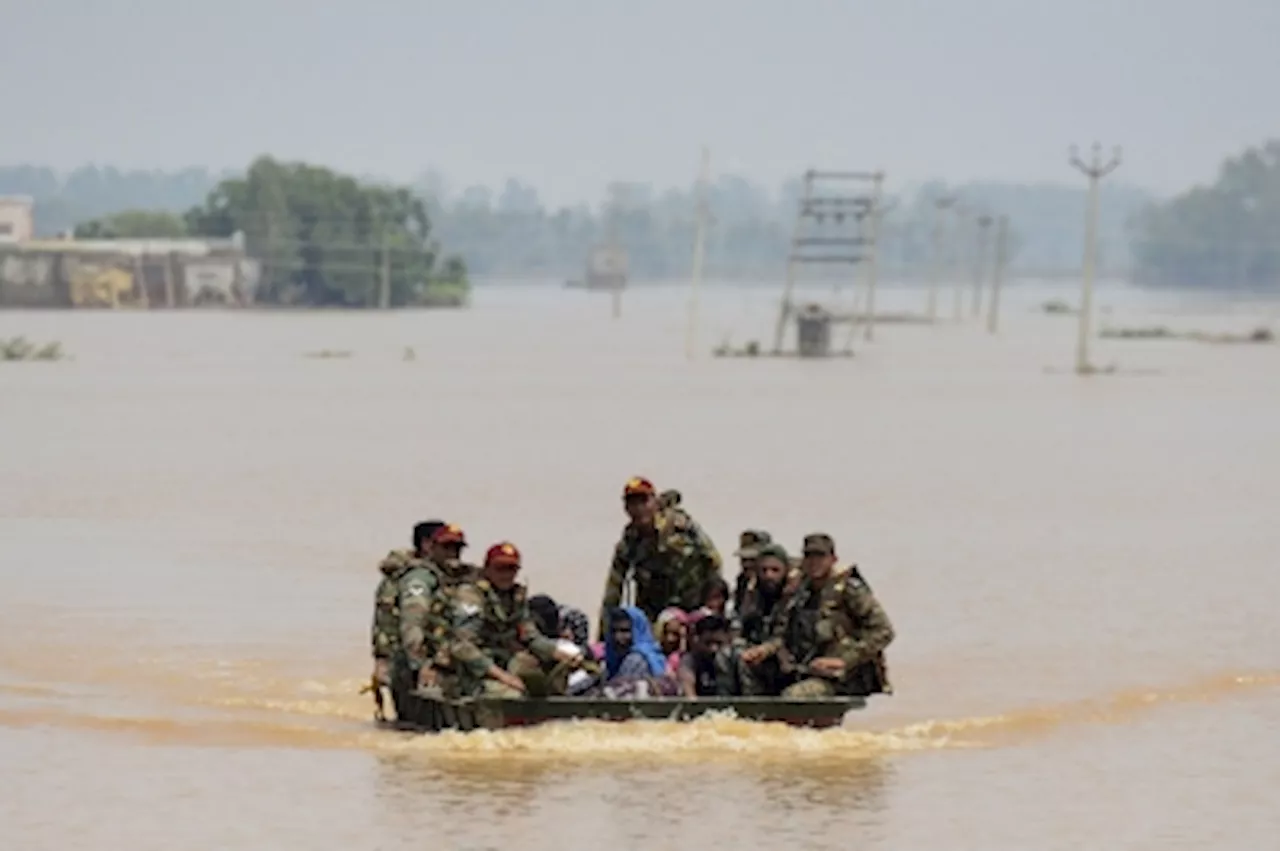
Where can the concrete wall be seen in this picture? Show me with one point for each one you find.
(17, 222)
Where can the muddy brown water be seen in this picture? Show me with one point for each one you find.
(1082, 574)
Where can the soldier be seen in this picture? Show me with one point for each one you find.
(421, 628)
(749, 543)
(831, 637)
(494, 636)
(663, 550)
(386, 610)
(762, 603)
(762, 608)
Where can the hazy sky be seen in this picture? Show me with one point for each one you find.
(572, 93)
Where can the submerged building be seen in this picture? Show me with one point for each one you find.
(116, 273)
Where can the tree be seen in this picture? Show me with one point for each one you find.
(1226, 235)
(133, 224)
(326, 239)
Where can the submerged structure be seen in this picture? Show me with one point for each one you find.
(837, 224)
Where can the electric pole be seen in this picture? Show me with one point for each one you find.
(997, 275)
(1095, 170)
(699, 244)
(962, 216)
(940, 208)
(980, 262)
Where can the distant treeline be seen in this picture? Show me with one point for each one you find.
(1221, 236)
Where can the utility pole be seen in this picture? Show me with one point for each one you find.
(615, 202)
(997, 275)
(980, 262)
(699, 245)
(1095, 170)
(962, 216)
(940, 208)
(876, 216)
(384, 288)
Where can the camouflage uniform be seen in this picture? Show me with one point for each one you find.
(749, 543)
(670, 564)
(841, 620)
(385, 634)
(423, 624)
(721, 678)
(492, 627)
(754, 623)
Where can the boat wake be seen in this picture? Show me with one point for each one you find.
(246, 706)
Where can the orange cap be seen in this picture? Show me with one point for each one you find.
(450, 533)
(638, 486)
(504, 553)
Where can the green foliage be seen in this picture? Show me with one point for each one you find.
(22, 349)
(324, 238)
(133, 224)
(92, 192)
(512, 232)
(1226, 235)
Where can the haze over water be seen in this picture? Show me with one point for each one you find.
(1081, 573)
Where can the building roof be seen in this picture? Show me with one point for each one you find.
(139, 247)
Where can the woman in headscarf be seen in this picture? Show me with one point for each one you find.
(672, 627)
(575, 627)
(630, 649)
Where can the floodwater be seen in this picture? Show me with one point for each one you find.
(1082, 572)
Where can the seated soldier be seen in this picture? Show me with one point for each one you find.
(494, 638)
(710, 668)
(749, 543)
(762, 608)
(830, 638)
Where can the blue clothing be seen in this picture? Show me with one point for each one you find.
(643, 645)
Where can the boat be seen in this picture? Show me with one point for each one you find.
(423, 714)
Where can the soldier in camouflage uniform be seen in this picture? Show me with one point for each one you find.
(749, 544)
(494, 638)
(385, 636)
(831, 636)
(763, 598)
(664, 550)
(422, 628)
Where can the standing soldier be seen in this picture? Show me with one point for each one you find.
(386, 609)
(832, 635)
(421, 632)
(663, 550)
(494, 638)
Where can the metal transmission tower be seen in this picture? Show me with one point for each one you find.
(831, 227)
(1095, 170)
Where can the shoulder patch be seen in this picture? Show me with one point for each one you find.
(416, 588)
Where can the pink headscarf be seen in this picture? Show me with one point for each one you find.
(665, 617)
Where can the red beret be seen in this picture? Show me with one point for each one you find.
(638, 486)
(504, 553)
(449, 534)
